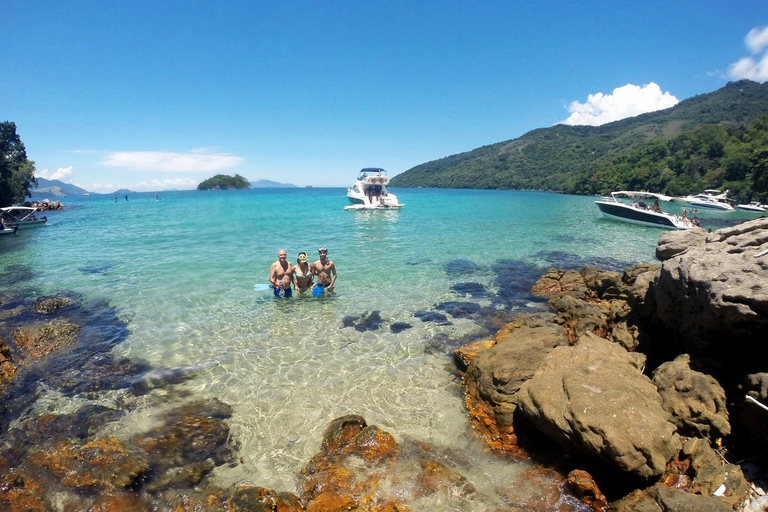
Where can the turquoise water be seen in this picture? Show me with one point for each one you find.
(180, 272)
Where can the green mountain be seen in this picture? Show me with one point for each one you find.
(56, 188)
(557, 158)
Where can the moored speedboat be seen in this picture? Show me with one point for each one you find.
(21, 217)
(713, 199)
(370, 191)
(638, 212)
(754, 206)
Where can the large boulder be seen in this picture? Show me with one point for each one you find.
(593, 400)
(695, 400)
(496, 374)
(715, 289)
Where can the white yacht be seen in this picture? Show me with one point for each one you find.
(370, 191)
(639, 212)
(754, 206)
(712, 199)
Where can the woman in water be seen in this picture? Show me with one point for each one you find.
(302, 274)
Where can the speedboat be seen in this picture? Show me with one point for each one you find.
(754, 206)
(713, 199)
(639, 212)
(21, 217)
(370, 191)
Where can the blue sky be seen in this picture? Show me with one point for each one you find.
(162, 95)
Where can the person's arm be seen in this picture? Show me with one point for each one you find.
(333, 274)
(272, 277)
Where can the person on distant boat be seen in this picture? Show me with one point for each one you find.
(685, 219)
(325, 270)
(655, 206)
(302, 274)
(280, 275)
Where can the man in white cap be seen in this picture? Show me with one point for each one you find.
(325, 271)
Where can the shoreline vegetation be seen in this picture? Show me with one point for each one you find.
(628, 395)
(711, 141)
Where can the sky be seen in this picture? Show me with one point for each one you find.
(153, 96)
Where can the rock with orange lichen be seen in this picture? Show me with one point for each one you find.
(340, 431)
(256, 499)
(112, 501)
(7, 368)
(38, 340)
(373, 444)
(495, 376)
(20, 491)
(540, 489)
(583, 486)
(103, 463)
(330, 502)
(436, 476)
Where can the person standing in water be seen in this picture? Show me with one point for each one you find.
(302, 274)
(325, 270)
(280, 274)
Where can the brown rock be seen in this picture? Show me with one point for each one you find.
(38, 340)
(373, 444)
(20, 491)
(329, 502)
(583, 486)
(436, 476)
(494, 377)
(466, 354)
(103, 463)
(341, 431)
(695, 400)
(593, 400)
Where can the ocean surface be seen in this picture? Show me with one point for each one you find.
(449, 268)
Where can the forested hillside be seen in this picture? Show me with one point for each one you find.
(709, 141)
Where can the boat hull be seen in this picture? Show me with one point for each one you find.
(626, 213)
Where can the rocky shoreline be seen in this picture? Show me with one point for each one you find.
(639, 391)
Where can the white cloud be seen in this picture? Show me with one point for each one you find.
(753, 68)
(196, 161)
(62, 174)
(628, 101)
(757, 40)
(144, 186)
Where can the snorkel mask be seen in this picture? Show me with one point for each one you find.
(302, 257)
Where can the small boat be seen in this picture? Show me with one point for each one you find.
(639, 212)
(21, 217)
(754, 206)
(370, 191)
(712, 199)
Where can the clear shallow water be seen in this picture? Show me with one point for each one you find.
(180, 272)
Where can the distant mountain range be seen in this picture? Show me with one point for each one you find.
(56, 188)
(271, 184)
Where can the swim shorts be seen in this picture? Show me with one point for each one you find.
(283, 292)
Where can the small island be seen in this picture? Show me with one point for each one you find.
(224, 182)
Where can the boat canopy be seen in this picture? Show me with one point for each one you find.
(372, 170)
(641, 195)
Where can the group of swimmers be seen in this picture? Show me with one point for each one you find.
(285, 277)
